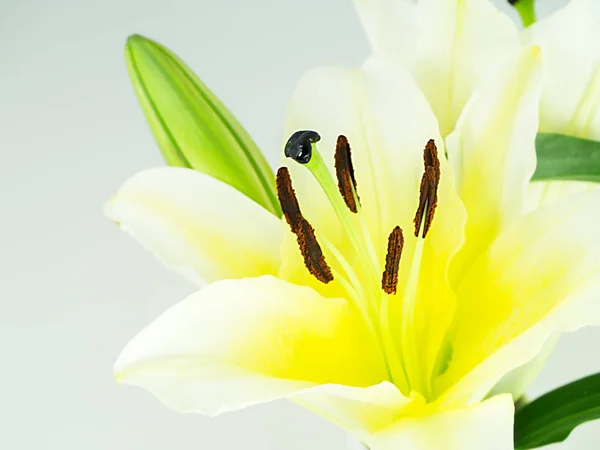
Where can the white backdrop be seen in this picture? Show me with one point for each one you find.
(74, 289)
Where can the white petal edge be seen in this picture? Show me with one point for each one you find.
(390, 26)
(492, 151)
(360, 411)
(200, 226)
(520, 379)
(487, 425)
(569, 41)
(459, 44)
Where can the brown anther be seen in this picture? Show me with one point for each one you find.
(345, 173)
(429, 185)
(312, 253)
(314, 260)
(287, 198)
(389, 279)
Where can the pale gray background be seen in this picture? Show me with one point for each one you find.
(74, 289)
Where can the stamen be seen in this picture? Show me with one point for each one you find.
(345, 173)
(429, 185)
(312, 253)
(299, 145)
(319, 170)
(317, 167)
(389, 279)
(287, 198)
(302, 148)
(314, 260)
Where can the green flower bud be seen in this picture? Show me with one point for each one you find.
(192, 127)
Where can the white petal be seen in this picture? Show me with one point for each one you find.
(540, 277)
(520, 379)
(571, 96)
(459, 44)
(542, 193)
(241, 342)
(487, 425)
(493, 151)
(450, 46)
(390, 26)
(361, 411)
(198, 225)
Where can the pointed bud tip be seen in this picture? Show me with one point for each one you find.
(137, 42)
(134, 40)
(299, 145)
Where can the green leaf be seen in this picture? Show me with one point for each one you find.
(553, 416)
(561, 157)
(192, 127)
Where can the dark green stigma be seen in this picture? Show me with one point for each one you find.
(299, 145)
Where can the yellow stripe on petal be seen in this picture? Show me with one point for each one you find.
(242, 342)
(202, 227)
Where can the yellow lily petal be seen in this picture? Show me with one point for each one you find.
(241, 342)
(493, 152)
(540, 277)
(198, 225)
(487, 425)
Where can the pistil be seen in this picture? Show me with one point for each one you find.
(371, 290)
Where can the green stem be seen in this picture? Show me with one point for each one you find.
(526, 9)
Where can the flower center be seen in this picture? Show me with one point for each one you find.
(372, 286)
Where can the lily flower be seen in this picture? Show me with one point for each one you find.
(390, 301)
(452, 46)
